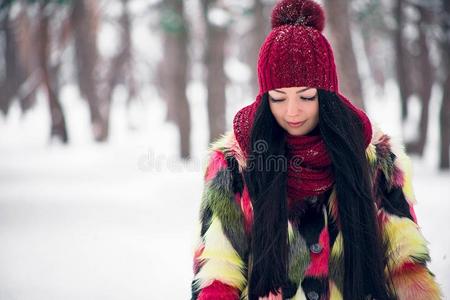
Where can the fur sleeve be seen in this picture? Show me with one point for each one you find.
(220, 260)
(408, 253)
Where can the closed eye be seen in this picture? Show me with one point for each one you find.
(303, 98)
(309, 98)
(276, 100)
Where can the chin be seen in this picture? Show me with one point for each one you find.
(296, 131)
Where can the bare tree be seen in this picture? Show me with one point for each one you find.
(256, 37)
(214, 57)
(49, 75)
(121, 65)
(423, 75)
(85, 26)
(444, 114)
(28, 68)
(340, 35)
(25, 33)
(18, 59)
(8, 84)
(174, 70)
(401, 55)
(371, 21)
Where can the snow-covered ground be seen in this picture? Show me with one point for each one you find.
(117, 221)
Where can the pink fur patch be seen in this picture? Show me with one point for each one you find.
(247, 210)
(318, 267)
(216, 163)
(413, 213)
(382, 217)
(218, 290)
(398, 177)
(198, 262)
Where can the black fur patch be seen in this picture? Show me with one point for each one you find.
(237, 182)
(205, 219)
(393, 201)
(195, 289)
(311, 224)
(317, 285)
(289, 290)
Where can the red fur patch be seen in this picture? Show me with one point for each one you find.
(318, 266)
(407, 266)
(218, 290)
(247, 210)
(415, 282)
(216, 163)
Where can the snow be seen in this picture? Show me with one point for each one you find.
(118, 221)
(93, 221)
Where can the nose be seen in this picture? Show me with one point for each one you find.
(292, 107)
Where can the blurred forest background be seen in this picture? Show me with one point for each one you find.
(47, 45)
(107, 108)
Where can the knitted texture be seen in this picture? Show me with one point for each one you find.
(309, 170)
(295, 53)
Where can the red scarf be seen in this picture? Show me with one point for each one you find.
(310, 168)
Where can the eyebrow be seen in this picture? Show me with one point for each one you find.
(302, 90)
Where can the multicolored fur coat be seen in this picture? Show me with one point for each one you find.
(316, 249)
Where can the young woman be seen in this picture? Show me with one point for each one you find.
(304, 199)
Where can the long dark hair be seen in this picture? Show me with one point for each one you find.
(365, 255)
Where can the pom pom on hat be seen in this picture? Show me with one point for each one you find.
(298, 12)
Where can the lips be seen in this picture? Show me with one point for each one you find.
(296, 124)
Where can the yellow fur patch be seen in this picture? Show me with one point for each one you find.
(221, 260)
(299, 295)
(406, 242)
(403, 162)
(335, 294)
(371, 154)
(338, 246)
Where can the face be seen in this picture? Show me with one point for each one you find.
(296, 109)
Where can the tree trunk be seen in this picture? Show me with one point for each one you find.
(341, 39)
(120, 66)
(49, 78)
(444, 114)
(216, 37)
(15, 73)
(84, 21)
(371, 42)
(257, 35)
(7, 85)
(176, 74)
(25, 34)
(424, 74)
(401, 57)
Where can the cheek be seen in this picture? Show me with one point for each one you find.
(277, 111)
(313, 110)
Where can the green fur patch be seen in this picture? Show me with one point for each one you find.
(219, 197)
(299, 257)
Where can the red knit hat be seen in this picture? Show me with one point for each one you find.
(295, 53)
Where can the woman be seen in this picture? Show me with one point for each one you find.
(303, 179)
